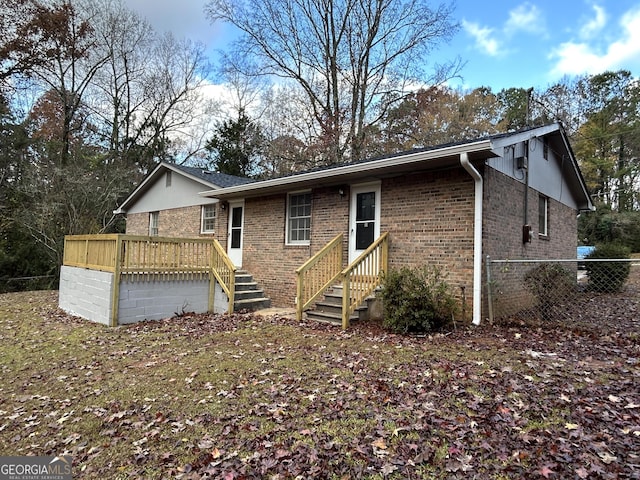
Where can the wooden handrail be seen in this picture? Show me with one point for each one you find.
(225, 272)
(143, 258)
(318, 273)
(363, 276)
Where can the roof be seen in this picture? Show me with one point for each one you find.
(422, 159)
(221, 180)
(376, 168)
(211, 181)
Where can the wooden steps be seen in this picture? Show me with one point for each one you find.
(329, 309)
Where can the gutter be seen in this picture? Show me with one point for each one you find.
(477, 237)
(370, 168)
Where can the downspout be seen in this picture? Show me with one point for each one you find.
(477, 237)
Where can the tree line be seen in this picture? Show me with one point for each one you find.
(92, 98)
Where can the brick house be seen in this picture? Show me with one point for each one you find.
(514, 195)
(167, 202)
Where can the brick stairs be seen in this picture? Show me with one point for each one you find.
(248, 296)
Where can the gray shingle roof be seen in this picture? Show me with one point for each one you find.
(220, 179)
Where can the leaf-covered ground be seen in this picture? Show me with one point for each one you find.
(246, 396)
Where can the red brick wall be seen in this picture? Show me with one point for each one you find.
(265, 255)
(429, 216)
(176, 222)
(137, 224)
(430, 220)
(504, 218)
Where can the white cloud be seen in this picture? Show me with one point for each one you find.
(575, 58)
(525, 17)
(183, 18)
(483, 37)
(597, 23)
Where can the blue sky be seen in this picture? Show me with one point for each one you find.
(504, 43)
(536, 43)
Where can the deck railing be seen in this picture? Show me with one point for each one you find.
(318, 273)
(140, 258)
(225, 272)
(363, 276)
(96, 252)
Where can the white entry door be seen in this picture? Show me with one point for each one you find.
(364, 218)
(236, 225)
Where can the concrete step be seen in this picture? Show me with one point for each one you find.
(328, 317)
(329, 307)
(247, 294)
(246, 286)
(252, 304)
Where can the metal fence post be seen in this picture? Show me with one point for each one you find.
(489, 293)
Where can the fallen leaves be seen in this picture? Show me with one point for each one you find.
(240, 396)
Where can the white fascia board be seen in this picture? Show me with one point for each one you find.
(578, 175)
(189, 176)
(365, 167)
(514, 138)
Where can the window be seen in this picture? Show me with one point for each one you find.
(167, 179)
(208, 224)
(153, 223)
(543, 216)
(299, 218)
(545, 148)
(365, 219)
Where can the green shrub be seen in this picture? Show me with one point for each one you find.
(417, 300)
(605, 276)
(551, 285)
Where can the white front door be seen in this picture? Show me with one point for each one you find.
(236, 224)
(364, 218)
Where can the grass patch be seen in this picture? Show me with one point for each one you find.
(208, 396)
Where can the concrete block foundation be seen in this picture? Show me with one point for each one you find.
(90, 294)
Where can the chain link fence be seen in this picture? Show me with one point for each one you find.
(22, 284)
(560, 289)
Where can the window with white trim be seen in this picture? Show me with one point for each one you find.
(208, 223)
(299, 218)
(167, 179)
(543, 216)
(153, 223)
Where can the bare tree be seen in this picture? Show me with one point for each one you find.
(352, 58)
(118, 94)
(11, 14)
(174, 77)
(288, 126)
(149, 94)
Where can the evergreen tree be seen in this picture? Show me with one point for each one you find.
(237, 147)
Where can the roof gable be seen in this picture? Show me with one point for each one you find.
(206, 180)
